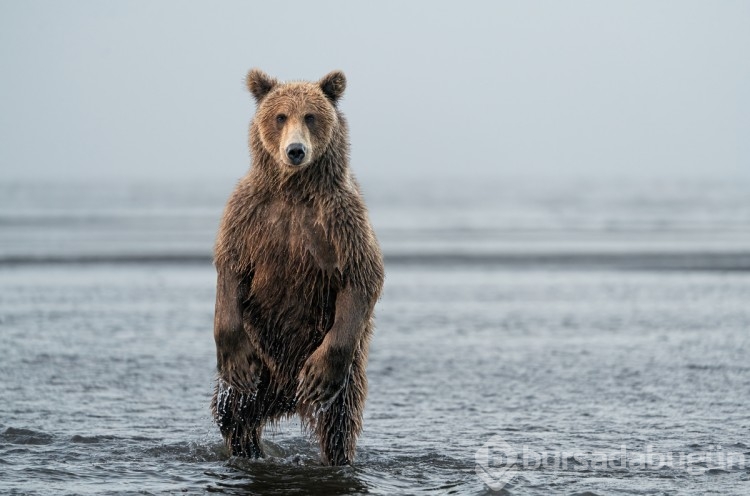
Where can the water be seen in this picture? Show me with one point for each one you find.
(569, 319)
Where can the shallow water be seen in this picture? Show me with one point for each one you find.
(106, 367)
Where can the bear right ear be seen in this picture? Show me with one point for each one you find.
(333, 85)
(259, 83)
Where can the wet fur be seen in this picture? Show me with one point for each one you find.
(296, 260)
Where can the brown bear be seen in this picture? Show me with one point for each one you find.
(299, 272)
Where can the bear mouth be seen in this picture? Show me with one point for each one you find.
(289, 165)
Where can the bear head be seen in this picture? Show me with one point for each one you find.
(296, 121)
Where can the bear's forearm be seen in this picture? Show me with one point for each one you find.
(353, 309)
(228, 314)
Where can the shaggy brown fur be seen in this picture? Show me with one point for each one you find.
(299, 272)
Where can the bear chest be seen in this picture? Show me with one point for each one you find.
(293, 239)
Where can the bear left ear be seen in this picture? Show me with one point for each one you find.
(333, 85)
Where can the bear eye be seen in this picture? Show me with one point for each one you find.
(281, 118)
(310, 119)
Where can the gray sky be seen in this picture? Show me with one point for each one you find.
(153, 89)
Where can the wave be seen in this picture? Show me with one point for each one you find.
(13, 435)
(652, 261)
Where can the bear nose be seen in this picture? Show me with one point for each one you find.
(296, 153)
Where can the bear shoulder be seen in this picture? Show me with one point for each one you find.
(355, 241)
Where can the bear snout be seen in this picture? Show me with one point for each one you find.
(296, 153)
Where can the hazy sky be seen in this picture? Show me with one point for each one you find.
(153, 89)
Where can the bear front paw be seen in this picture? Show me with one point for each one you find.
(322, 379)
(244, 377)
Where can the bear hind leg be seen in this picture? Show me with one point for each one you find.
(245, 441)
(339, 425)
(236, 413)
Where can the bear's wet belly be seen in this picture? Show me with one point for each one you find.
(291, 300)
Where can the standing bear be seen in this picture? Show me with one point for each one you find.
(299, 271)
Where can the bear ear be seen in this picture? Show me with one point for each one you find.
(333, 85)
(259, 83)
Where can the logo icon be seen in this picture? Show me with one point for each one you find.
(496, 463)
